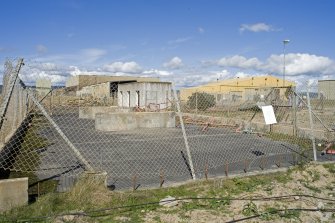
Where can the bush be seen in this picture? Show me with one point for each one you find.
(201, 101)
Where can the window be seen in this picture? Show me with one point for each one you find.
(138, 98)
(128, 98)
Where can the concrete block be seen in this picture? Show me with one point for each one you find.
(13, 193)
(90, 112)
(130, 121)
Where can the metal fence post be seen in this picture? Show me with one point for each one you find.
(311, 121)
(294, 110)
(184, 133)
(196, 102)
(11, 83)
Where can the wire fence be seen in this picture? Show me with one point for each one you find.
(144, 133)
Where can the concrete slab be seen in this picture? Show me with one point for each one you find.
(90, 112)
(136, 120)
(13, 193)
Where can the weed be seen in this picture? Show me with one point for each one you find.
(216, 204)
(312, 188)
(269, 214)
(290, 214)
(250, 209)
(330, 167)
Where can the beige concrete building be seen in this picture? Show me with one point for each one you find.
(327, 89)
(241, 89)
(43, 86)
(80, 81)
(130, 93)
(145, 94)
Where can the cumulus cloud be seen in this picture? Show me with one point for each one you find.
(155, 72)
(239, 61)
(57, 74)
(41, 48)
(124, 67)
(300, 63)
(296, 64)
(174, 63)
(257, 27)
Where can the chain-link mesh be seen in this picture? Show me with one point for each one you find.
(141, 134)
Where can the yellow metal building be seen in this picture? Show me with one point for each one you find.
(240, 89)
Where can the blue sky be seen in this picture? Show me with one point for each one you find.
(189, 42)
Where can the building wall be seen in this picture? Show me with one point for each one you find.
(144, 94)
(43, 86)
(239, 88)
(72, 81)
(81, 81)
(327, 88)
(97, 91)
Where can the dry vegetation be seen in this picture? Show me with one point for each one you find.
(276, 197)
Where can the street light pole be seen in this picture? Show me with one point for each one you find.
(286, 41)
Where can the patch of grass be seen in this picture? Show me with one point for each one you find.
(87, 196)
(290, 214)
(315, 175)
(312, 188)
(330, 167)
(283, 178)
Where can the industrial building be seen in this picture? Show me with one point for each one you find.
(241, 89)
(326, 88)
(126, 92)
(156, 95)
(79, 81)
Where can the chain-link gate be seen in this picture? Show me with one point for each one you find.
(142, 134)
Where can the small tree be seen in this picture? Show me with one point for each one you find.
(201, 101)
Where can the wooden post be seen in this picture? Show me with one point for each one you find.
(245, 165)
(206, 170)
(161, 176)
(226, 169)
(134, 181)
(38, 189)
(278, 164)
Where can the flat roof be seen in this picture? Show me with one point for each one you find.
(325, 80)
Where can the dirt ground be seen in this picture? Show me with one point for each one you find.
(315, 180)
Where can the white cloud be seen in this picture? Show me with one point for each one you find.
(41, 48)
(201, 30)
(57, 74)
(300, 63)
(93, 54)
(223, 74)
(296, 64)
(257, 27)
(174, 63)
(239, 61)
(155, 72)
(123, 67)
(180, 40)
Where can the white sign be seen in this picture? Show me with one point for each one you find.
(269, 115)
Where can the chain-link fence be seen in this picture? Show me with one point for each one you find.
(143, 133)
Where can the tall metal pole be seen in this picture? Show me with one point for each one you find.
(184, 132)
(284, 67)
(311, 121)
(12, 80)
